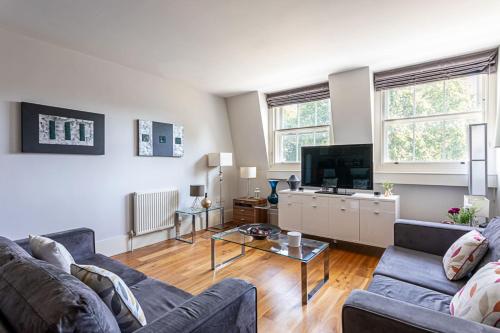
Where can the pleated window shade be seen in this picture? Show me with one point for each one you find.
(311, 93)
(470, 64)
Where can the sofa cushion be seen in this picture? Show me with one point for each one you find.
(479, 299)
(128, 275)
(115, 294)
(410, 293)
(9, 251)
(49, 250)
(464, 254)
(492, 234)
(38, 297)
(415, 267)
(79, 242)
(158, 298)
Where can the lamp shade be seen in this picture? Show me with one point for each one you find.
(248, 172)
(197, 190)
(220, 159)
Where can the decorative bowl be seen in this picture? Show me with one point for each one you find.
(259, 230)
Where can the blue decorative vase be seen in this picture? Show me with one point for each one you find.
(273, 197)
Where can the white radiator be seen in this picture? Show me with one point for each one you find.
(155, 210)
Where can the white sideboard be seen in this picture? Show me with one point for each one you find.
(360, 218)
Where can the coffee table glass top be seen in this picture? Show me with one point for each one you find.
(276, 244)
(197, 210)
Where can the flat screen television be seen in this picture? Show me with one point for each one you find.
(342, 166)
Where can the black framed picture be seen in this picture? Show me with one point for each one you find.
(49, 129)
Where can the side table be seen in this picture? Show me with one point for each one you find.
(193, 212)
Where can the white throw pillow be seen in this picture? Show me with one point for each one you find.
(52, 252)
(464, 255)
(114, 293)
(479, 299)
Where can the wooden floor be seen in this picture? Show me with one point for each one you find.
(277, 279)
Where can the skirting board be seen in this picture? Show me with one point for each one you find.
(120, 244)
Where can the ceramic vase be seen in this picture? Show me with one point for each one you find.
(273, 197)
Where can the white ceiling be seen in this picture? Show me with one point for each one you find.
(231, 46)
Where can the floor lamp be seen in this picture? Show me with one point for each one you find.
(220, 160)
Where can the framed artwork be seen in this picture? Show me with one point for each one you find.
(48, 129)
(160, 139)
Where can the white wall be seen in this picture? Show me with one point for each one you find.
(352, 104)
(41, 193)
(249, 126)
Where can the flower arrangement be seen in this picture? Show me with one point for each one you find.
(388, 188)
(462, 215)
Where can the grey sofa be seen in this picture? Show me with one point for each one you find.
(409, 291)
(32, 292)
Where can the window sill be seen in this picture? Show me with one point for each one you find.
(428, 178)
(403, 178)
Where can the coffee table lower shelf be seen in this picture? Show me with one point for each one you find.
(306, 296)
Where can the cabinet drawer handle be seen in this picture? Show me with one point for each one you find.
(242, 219)
(376, 202)
(289, 204)
(376, 212)
(342, 209)
(242, 210)
(314, 197)
(343, 200)
(314, 206)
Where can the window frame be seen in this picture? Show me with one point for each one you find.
(274, 132)
(424, 167)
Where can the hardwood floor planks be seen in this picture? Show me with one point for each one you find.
(277, 279)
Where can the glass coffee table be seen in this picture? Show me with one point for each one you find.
(308, 251)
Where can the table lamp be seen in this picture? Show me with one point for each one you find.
(248, 173)
(196, 191)
(220, 160)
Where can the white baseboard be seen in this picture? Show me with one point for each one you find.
(122, 243)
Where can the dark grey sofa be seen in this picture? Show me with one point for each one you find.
(409, 291)
(228, 306)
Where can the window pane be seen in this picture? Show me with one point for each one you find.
(322, 138)
(399, 142)
(429, 99)
(289, 116)
(429, 137)
(307, 114)
(289, 148)
(305, 139)
(398, 103)
(323, 112)
(463, 94)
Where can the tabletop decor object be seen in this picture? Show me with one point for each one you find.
(462, 215)
(248, 173)
(259, 230)
(294, 238)
(293, 182)
(206, 202)
(273, 197)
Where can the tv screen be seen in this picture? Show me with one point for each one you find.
(343, 166)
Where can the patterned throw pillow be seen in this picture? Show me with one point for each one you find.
(464, 255)
(114, 293)
(479, 299)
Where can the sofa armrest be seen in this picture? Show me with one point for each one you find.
(79, 242)
(429, 237)
(228, 306)
(364, 311)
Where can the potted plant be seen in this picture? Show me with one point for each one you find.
(462, 215)
(388, 187)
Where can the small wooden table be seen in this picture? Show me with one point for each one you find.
(245, 210)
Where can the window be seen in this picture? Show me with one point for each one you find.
(298, 125)
(428, 122)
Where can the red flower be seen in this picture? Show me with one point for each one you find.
(454, 211)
